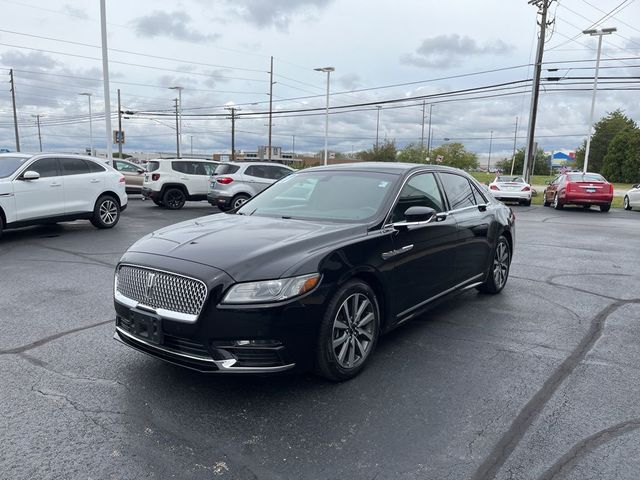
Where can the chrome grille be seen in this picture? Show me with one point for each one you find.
(161, 290)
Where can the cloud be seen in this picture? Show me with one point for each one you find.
(75, 11)
(445, 51)
(350, 81)
(175, 25)
(276, 13)
(31, 60)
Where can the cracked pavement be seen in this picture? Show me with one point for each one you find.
(539, 382)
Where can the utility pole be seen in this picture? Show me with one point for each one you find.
(119, 127)
(379, 107)
(270, 104)
(15, 115)
(422, 132)
(429, 137)
(175, 100)
(513, 156)
(293, 148)
(37, 117)
(233, 132)
(490, 145)
(543, 6)
(191, 137)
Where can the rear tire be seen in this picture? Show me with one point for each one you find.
(106, 212)
(545, 202)
(556, 203)
(605, 208)
(239, 200)
(498, 273)
(174, 199)
(348, 333)
(1, 226)
(527, 203)
(626, 204)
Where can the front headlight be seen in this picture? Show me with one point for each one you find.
(271, 290)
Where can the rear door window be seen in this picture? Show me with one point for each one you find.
(226, 169)
(259, 171)
(458, 191)
(153, 166)
(74, 166)
(95, 167)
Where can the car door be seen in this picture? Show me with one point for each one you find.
(133, 175)
(41, 198)
(81, 186)
(193, 175)
(423, 256)
(469, 208)
(552, 188)
(257, 177)
(634, 196)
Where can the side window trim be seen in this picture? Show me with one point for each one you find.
(58, 167)
(387, 221)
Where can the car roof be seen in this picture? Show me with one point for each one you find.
(398, 168)
(241, 164)
(181, 160)
(16, 154)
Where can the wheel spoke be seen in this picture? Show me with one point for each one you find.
(352, 351)
(360, 347)
(361, 309)
(339, 341)
(365, 334)
(354, 307)
(364, 321)
(343, 351)
(340, 325)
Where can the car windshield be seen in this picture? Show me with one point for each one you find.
(336, 196)
(8, 165)
(504, 178)
(585, 177)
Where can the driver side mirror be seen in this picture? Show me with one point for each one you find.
(419, 214)
(30, 175)
(140, 171)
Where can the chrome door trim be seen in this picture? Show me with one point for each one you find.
(441, 294)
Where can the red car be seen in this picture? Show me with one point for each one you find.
(579, 188)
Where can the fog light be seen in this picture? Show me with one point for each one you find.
(256, 343)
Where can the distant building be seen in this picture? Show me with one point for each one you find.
(561, 158)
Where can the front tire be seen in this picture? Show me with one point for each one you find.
(499, 270)
(174, 199)
(348, 333)
(106, 212)
(527, 203)
(626, 204)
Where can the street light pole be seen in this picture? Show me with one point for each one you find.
(490, 145)
(105, 80)
(599, 33)
(88, 95)
(328, 70)
(429, 137)
(177, 129)
(513, 156)
(422, 132)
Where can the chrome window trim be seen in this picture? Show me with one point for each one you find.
(167, 314)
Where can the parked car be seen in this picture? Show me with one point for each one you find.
(234, 183)
(133, 175)
(49, 188)
(309, 273)
(509, 188)
(170, 182)
(632, 198)
(579, 188)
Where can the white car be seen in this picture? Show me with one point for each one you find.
(49, 188)
(170, 182)
(509, 188)
(632, 198)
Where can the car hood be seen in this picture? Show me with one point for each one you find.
(247, 247)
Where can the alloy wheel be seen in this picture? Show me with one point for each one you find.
(353, 331)
(501, 264)
(174, 199)
(626, 203)
(238, 202)
(108, 212)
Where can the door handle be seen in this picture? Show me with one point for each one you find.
(184, 178)
(95, 180)
(393, 253)
(55, 184)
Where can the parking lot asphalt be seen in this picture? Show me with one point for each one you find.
(539, 382)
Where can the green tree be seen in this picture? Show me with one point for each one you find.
(540, 167)
(604, 132)
(622, 161)
(455, 155)
(413, 153)
(384, 152)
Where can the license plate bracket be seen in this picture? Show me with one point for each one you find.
(591, 190)
(147, 326)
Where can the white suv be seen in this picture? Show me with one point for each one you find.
(46, 188)
(170, 182)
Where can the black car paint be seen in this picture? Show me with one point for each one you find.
(225, 249)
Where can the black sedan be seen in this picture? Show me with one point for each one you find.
(309, 273)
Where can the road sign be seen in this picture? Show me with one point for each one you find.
(118, 137)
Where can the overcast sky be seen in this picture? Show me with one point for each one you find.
(219, 51)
